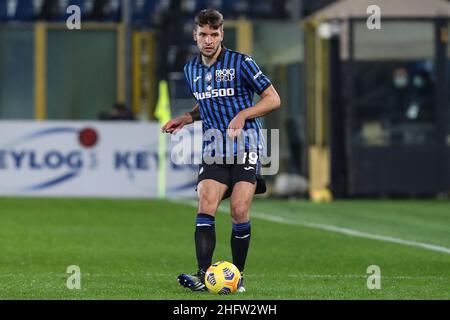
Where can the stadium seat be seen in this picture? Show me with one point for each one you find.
(108, 10)
(56, 10)
(262, 9)
(22, 10)
(50, 10)
(216, 4)
(201, 4)
(80, 3)
(230, 9)
(103, 10)
(142, 12)
(61, 11)
(3, 12)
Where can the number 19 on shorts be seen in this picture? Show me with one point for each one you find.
(251, 156)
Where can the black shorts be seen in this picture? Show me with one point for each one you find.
(230, 174)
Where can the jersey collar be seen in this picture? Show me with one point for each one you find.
(220, 57)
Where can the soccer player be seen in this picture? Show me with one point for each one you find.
(224, 82)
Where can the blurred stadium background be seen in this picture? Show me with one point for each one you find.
(365, 114)
(348, 123)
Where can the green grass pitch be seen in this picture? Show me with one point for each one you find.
(134, 249)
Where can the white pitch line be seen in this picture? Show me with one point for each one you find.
(332, 228)
(359, 276)
(352, 232)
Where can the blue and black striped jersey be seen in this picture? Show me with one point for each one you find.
(222, 90)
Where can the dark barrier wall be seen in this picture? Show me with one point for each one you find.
(81, 69)
(16, 73)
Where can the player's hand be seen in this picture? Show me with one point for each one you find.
(235, 126)
(175, 125)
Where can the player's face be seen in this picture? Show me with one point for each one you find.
(208, 40)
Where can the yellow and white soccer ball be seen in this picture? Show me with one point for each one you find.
(222, 277)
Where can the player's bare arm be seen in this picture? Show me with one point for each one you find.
(178, 123)
(270, 101)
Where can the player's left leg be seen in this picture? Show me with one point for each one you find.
(241, 200)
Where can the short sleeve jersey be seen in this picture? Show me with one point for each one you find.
(222, 90)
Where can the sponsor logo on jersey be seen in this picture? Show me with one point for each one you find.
(214, 93)
(223, 75)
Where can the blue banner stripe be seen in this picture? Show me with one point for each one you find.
(41, 133)
(53, 182)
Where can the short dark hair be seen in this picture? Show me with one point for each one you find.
(210, 17)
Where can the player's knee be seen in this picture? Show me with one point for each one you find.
(239, 212)
(207, 201)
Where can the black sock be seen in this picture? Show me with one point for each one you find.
(205, 240)
(240, 241)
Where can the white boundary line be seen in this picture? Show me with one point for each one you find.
(335, 229)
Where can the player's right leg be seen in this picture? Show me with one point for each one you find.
(210, 193)
(241, 199)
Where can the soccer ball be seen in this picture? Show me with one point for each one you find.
(222, 277)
